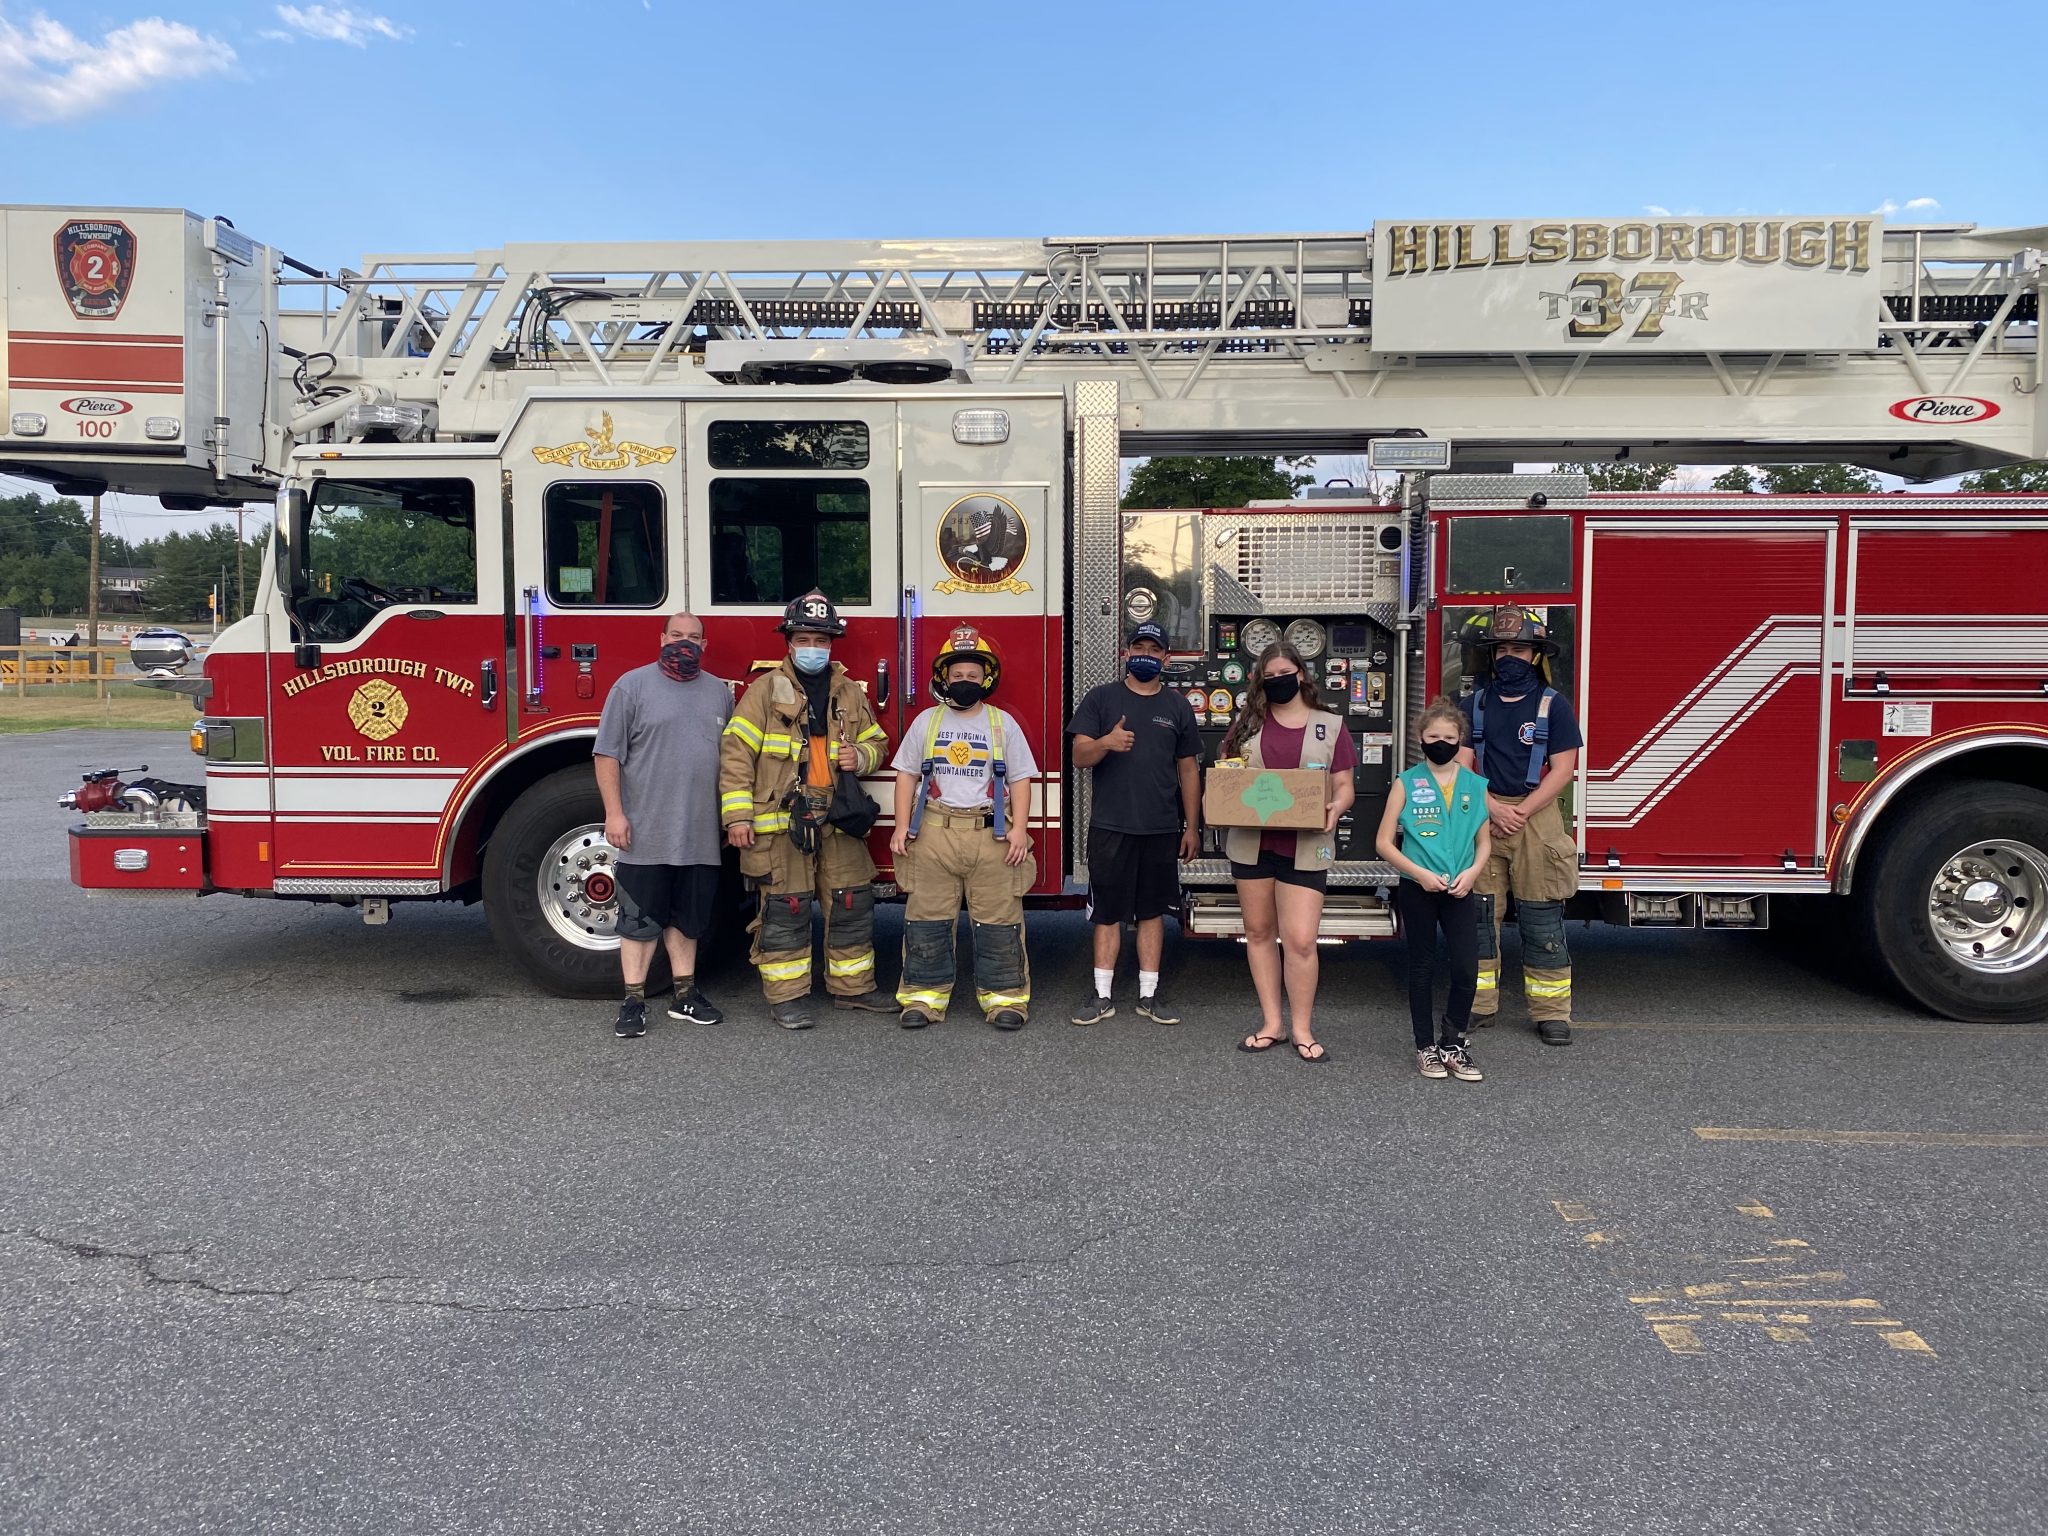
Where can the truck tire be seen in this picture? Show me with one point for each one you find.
(541, 855)
(1954, 899)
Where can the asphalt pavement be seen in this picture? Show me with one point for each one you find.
(312, 1226)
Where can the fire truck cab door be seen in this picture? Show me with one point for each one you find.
(983, 544)
(790, 493)
(597, 559)
(402, 586)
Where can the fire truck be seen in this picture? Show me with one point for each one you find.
(493, 472)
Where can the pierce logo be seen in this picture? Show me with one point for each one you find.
(95, 266)
(95, 405)
(1945, 408)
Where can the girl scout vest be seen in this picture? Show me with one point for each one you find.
(1312, 850)
(1439, 828)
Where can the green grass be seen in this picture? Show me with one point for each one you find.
(72, 706)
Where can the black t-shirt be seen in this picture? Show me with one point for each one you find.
(1511, 736)
(1138, 791)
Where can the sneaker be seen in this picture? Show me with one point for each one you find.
(915, 1017)
(689, 1003)
(1459, 1062)
(1007, 1018)
(1430, 1063)
(1554, 1031)
(872, 1001)
(1094, 1011)
(1158, 1009)
(632, 1020)
(794, 1014)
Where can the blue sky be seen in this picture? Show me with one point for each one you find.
(333, 130)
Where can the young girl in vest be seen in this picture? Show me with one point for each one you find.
(1434, 832)
(1281, 876)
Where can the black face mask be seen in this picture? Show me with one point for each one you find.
(1513, 673)
(1439, 752)
(964, 693)
(682, 659)
(1281, 689)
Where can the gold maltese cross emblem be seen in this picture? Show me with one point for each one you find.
(377, 709)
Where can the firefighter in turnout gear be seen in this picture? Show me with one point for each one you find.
(794, 730)
(1525, 743)
(963, 832)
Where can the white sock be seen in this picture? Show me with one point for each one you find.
(1104, 980)
(1148, 983)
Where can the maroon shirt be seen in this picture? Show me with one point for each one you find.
(1280, 747)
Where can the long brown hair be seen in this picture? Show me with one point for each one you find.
(1251, 719)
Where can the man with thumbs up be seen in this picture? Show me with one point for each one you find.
(1138, 739)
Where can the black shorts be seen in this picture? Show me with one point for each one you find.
(657, 896)
(1133, 877)
(1276, 866)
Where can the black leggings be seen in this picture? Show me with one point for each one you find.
(1422, 913)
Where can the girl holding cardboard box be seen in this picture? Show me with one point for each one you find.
(1281, 875)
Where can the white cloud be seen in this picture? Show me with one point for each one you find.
(1656, 212)
(49, 73)
(340, 24)
(1911, 205)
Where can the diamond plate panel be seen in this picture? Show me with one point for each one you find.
(291, 885)
(1215, 872)
(1450, 492)
(1097, 544)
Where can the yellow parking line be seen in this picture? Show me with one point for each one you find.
(1872, 1138)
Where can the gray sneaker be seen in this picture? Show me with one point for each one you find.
(1093, 1011)
(1158, 1009)
(1430, 1063)
(1458, 1061)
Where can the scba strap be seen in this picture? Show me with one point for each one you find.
(1539, 738)
(999, 772)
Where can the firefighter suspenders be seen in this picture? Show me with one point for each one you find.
(999, 771)
(1539, 740)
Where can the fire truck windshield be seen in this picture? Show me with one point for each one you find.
(373, 544)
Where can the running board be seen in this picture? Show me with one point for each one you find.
(1346, 915)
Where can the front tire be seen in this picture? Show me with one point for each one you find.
(1955, 902)
(540, 861)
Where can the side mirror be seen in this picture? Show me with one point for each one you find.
(297, 522)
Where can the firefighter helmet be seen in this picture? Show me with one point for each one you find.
(813, 612)
(966, 644)
(1510, 624)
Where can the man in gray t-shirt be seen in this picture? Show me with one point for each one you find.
(656, 756)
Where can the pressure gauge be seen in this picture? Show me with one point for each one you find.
(1307, 637)
(1257, 637)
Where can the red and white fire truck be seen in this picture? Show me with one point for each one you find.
(492, 474)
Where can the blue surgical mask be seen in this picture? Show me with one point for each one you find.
(811, 659)
(1513, 673)
(1144, 668)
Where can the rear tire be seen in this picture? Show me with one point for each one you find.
(1954, 900)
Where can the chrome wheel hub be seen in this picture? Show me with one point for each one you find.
(579, 888)
(1989, 906)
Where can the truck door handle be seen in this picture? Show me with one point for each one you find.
(490, 680)
(882, 681)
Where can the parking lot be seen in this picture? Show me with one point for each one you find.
(309, 1226)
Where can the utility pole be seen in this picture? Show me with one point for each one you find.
(241, 587)
(92, 590)
(220, 588)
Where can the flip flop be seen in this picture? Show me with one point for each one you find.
(1265, 1043)
(1321, 1053)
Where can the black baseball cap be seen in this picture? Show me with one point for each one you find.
(1156, 633)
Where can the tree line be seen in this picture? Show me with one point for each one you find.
(46, 544)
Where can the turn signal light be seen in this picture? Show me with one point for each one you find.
(30, 423)
(199, 739)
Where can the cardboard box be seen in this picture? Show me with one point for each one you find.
(1272, 799)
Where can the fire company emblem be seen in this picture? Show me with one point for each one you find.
(377, 709)
(983, 540)
(96, 266)
(602, 453)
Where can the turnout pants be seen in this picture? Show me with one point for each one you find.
(1540, 866)
(957, 857)
(838, 877)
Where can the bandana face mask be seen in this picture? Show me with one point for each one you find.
(682, 660)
